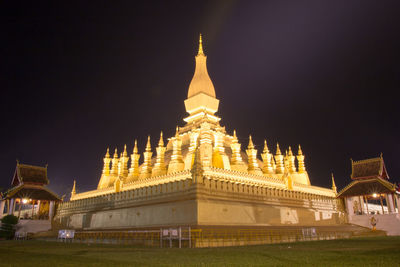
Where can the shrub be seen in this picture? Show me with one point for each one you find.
(7, 229)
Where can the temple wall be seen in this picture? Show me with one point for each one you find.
(207, 202)
(240, 205)
(155, 215)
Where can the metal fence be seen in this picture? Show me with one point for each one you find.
(187, 237)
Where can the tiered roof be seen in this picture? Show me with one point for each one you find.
(30, 182)
(369, 168)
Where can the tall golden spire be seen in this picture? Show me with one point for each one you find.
(146, 167)
(106, 160)
(200, 46)
(291, 158)
(176, 163)
(266, 156)
(280, 167)
(237, 163)
(134, 169)
(124, 163)
(252, 166)
(159, 167)
(115, 160)
(201, 99)
(300, 160)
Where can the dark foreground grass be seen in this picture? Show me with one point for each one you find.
(372, 251)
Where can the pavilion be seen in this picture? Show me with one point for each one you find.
(370, 194)
(28, 198)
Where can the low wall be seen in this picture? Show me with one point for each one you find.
(209, 201)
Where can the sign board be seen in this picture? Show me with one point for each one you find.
(66, 234)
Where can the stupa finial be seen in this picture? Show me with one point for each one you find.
(278, 150)
(135, 149)
(161, 142)
(148, 145)
(300, 152)
(251, 145)
(201, 52)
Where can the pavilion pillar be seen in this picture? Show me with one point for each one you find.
(396, 197)
(19, 208)
(390, 203)
(380, 198)
(366, 203)
(349, 206)
(11, 206)
(2, 204)
(361, 201)
(51, 210)
(33, 208)
(38, 209)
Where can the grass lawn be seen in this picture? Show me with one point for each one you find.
(371, 251)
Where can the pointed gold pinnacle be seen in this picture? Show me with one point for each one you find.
(251, 145)
(299, 151)
(278, 150)
(135, 149)
(161, 142)
(148, 146)
(200, 46)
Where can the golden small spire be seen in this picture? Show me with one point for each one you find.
(116, 153)
(251, 145)
(234, 135)
(299, 151)
(159, 167)
(200, 46)
(125, 154)
(134, 169)
(278, 150)
(177, 131)
(148, 145)
(161, 142)
(73, 192)
(300, 160)
(333, 184)
(290, 151)
(267, 159)
(252, 167)
(145, 172)
(108, 153)
(266, 150)
(279, 158)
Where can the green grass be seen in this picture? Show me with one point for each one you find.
(371, 251)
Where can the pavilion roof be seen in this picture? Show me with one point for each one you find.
(369, 168)
(367, 187)
(29, 174)
(31, 191)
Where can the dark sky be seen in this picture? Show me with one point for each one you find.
(79, 77)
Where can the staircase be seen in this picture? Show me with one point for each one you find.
(390, 223)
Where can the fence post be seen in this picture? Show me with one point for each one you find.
(190, 237)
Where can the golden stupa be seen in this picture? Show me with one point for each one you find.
(201, 177)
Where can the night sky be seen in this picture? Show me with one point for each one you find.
(77, 78)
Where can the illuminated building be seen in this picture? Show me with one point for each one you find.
(201, 177)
